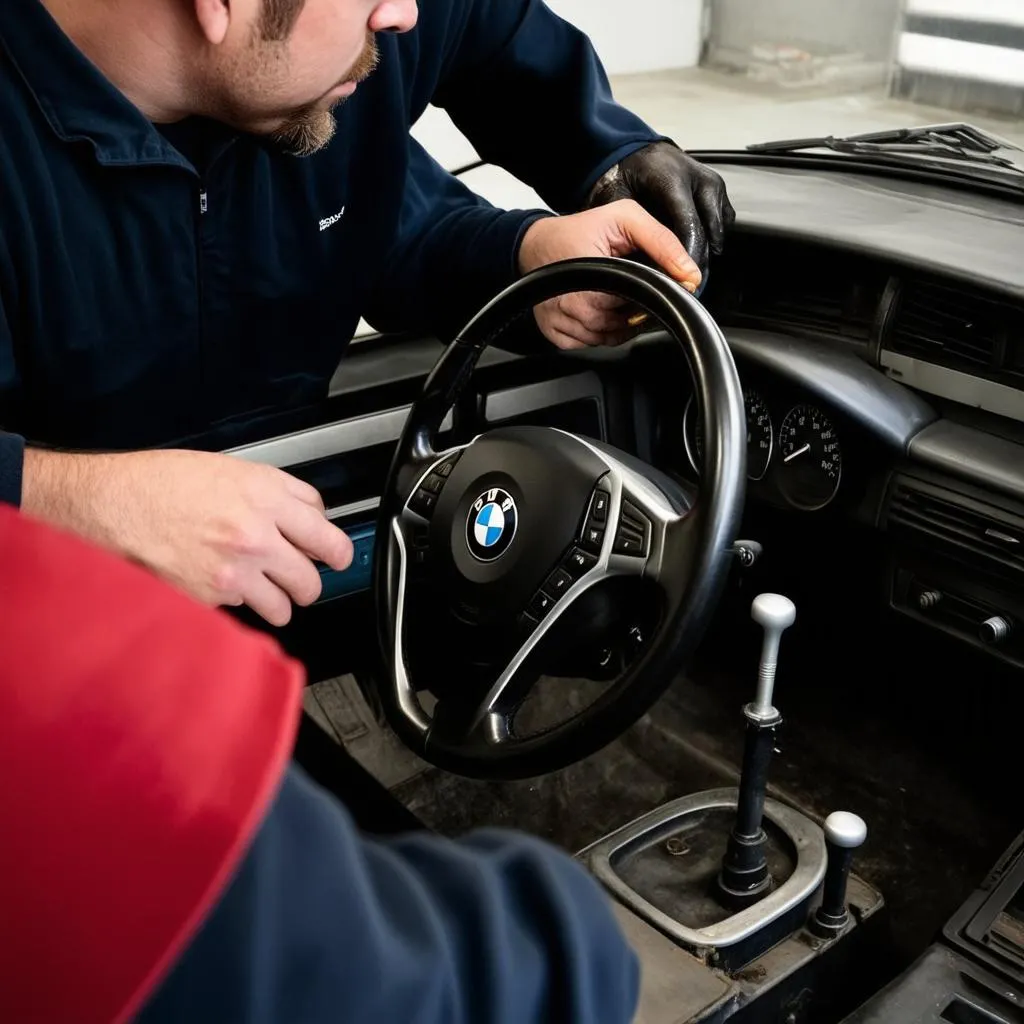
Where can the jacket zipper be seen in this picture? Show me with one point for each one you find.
(204, 398)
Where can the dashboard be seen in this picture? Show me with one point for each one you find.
(877, 325)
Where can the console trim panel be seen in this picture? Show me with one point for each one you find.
(806, 836)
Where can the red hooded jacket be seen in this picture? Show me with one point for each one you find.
(142, 739)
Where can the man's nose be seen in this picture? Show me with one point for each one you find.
(394, 16)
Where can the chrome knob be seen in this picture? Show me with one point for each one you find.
(775, 614)
(994, 630)
(844, 832)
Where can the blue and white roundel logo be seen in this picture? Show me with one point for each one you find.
(491, 524)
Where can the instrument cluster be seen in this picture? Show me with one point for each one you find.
(793, 450)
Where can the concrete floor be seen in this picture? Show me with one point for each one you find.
(704, 109)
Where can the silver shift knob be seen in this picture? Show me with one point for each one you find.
(775, 614)
(845, 830)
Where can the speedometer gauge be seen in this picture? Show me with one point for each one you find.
(812, 460)
(760, 435)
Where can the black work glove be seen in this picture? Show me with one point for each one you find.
(681, 192)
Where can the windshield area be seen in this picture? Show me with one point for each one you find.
(872, 79)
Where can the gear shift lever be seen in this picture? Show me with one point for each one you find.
(844, 832)
(744, 878)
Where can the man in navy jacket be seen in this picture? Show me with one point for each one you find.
(170, 269)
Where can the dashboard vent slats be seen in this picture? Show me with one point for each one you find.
(771, 284)
(959, 329)
(989, 537)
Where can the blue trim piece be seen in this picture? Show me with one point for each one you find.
(356, 578)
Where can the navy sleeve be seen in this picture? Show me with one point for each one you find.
(12, 460)
(12, 446)
(529, 91)
(321, 924)
(455, 252)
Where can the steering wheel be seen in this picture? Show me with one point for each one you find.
(484, 550)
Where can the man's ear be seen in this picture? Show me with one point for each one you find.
(214, 17)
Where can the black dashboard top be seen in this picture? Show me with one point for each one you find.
(977, 238)
(885, 408)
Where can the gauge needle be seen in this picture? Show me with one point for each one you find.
(799, 451)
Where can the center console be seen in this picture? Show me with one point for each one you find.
(975, 975)
(741, 907)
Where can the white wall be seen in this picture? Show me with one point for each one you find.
(630, 36)
(638, 35)
(823, 27)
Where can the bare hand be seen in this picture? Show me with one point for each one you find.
(227, 531)
(616, 229)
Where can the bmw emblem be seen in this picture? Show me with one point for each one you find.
(491, 524)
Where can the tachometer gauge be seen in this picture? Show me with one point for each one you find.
(760, 435)
(812, 460)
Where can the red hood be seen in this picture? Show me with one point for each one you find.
(142, 738)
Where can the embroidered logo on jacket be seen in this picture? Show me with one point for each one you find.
(328, 222)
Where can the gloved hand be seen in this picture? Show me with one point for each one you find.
(681, 192)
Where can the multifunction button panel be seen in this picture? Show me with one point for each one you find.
(632, 538)
(424, 501)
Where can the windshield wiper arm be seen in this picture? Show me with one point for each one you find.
(950, 141)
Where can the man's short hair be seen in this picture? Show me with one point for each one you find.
(278, 18)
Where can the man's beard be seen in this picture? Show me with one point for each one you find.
(308, 130)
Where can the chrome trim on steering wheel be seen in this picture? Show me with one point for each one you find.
(655, 506)
(620, 480)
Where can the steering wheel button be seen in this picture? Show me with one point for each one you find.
(433, 483)
(540, 605)
(558, 583)
(593, 537)
(578, 562)
(423, 502)
(627, 545)
(599, 509)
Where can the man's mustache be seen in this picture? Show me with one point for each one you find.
(366, 63)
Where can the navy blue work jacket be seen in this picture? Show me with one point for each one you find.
(165, 284)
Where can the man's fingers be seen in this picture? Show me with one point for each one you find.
(641, 231)
(308, 530)
(294, 572)
(568, 333)
(592, 317)
(602, 300)
(268, 600)
(303, 491)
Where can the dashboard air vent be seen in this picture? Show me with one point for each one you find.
(772, 284)
(943, 520)
(960, 329)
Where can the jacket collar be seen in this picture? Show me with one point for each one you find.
(76, 99)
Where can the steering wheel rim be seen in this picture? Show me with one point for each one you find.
(700, 540)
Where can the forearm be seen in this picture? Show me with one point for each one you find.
(496, 927)
(71, 490)
(454, 254)
(12, 468)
